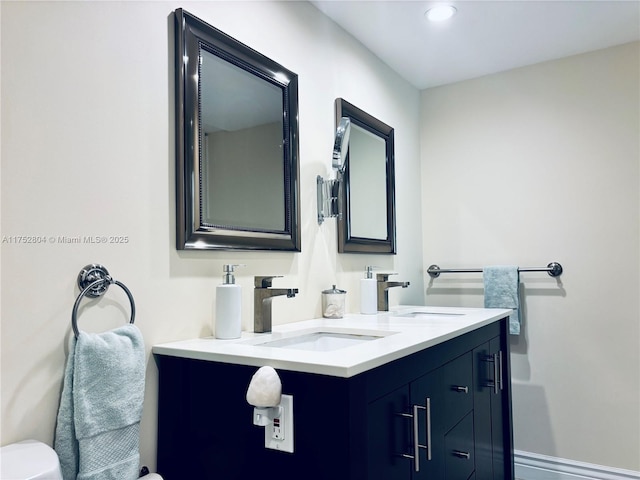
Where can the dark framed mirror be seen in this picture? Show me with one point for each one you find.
(237, 168)
(368, 220)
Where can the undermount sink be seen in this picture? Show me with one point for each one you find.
(429, 314)
(322, 341)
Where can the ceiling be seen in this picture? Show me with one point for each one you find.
(484, 37)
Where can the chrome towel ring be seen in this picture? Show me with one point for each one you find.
(94, 280)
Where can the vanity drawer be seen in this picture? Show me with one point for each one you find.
(459, 456)
(458, 389)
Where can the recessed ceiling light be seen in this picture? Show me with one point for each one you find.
(440, 13)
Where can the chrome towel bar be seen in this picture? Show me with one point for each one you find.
(554, 269)
(94, 280)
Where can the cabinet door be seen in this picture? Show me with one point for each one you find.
(483, 377)
(388, 437)
(498, 410)
(427, 401)
(490, 390)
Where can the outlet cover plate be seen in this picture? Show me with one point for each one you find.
(286, 422)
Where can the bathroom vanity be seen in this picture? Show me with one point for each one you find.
(418, 393)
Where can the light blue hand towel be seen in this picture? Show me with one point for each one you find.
(501, 290)
(98, 428)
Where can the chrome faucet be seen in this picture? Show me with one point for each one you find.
(262, 296)
(383, 290)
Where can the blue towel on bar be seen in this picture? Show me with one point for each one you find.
(501, 290)
(98, 428)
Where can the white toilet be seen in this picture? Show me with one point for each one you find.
(29, 460)
(33, 460)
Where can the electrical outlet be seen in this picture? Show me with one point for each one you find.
(279, 434)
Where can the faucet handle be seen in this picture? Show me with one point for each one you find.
(264, 281)
(383, 277)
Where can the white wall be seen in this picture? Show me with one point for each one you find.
(88, 149)
(535, 165)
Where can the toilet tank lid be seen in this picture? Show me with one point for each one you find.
(29, 460)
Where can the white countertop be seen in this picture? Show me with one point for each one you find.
(400, 332)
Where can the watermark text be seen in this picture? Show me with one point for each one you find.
(64, 239)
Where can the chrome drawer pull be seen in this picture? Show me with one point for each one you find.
(460, 388)
(461, 454)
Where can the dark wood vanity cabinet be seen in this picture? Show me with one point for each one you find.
(454, 399)
(460, 413)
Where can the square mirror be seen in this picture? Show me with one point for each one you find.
(237, 168)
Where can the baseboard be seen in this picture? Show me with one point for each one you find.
(532, 466)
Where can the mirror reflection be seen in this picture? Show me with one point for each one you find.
(237, 144)
(367, 185)
(242, 126)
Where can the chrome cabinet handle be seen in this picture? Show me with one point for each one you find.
(500, 368)
(416, 441)
(460, 388)
(493, 358)
(407, 455)
(428, 421)
(461, 454)
(498, 383)
(496, 373)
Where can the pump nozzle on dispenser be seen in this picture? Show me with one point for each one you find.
(229, 269)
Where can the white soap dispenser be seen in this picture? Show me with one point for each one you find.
(368, 293)
(228, 317)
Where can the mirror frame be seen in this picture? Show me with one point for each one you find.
(346, 242)
(192, 35)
